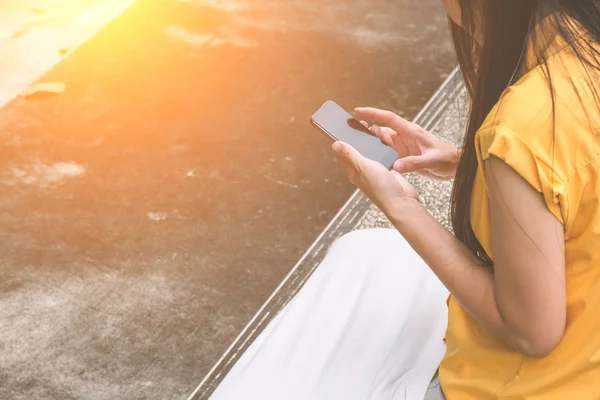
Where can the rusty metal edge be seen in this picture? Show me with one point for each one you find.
(344, 221)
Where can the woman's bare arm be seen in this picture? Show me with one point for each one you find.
(523, 298)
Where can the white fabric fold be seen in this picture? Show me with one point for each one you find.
(368, 324)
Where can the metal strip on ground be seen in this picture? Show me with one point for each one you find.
(344, 221)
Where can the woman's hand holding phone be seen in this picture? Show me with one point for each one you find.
(419, 150)
(387, 189)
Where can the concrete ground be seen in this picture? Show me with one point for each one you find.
(150, 209)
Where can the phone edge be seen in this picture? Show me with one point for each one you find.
(314, 124)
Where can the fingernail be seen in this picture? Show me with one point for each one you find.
(359, 108)
(398, 165)
(337, 146)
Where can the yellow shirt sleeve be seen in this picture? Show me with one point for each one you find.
(524, 132)
(506, 144)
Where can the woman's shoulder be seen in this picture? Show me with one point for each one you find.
(545, 92)
(554, 110)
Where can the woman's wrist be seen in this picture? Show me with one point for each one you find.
(454, 156)
(404, 211)
(457, 155)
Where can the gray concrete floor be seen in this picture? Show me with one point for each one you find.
(150, 210)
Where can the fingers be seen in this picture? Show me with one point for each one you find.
(385, 135)
(351, 160)
(412, 164)
(385, 117)
(348, 155)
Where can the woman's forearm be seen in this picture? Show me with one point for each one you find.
(457, 267)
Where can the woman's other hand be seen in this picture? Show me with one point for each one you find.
(419, 150)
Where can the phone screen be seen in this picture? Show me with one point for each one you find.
(340, 125)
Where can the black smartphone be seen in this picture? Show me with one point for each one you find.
(340, 125)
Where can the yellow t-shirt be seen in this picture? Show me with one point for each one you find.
(564, 165)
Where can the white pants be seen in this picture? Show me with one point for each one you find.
(369, 324)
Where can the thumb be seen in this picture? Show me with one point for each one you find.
(348, 154)
(412, 164)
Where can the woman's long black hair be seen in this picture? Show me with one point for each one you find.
(492, 44)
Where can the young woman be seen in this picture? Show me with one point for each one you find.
(523, 265)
